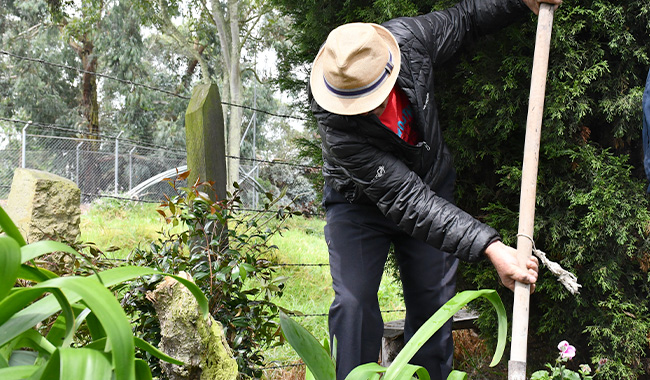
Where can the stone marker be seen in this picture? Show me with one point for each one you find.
(186, 336)
(44, 206)
(205, 138)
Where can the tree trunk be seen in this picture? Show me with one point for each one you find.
(234, 124)
(90, 110)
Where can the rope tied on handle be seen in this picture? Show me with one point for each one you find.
(566, 278)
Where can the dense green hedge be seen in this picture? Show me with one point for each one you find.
(592, 211)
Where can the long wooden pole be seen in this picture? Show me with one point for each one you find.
(518, 348)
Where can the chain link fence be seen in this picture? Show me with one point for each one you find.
(121, 168)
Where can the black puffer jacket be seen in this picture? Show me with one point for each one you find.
(366, 162)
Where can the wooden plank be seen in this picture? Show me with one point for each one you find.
(393, 338)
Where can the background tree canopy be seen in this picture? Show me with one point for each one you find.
(592, 210)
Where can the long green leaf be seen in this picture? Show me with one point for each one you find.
(366, 371)
(17, 372)
(502, 320)
(410, 370)
(311, 352)
(99, 344)
(95, 327)
(10, 306)
(440, 318)
(22, 357)
(9, 228)
(142, 370)
(146, 346)
(34, 250)
(104, 305)
(32, 339)
(9, 264)
(78, 364)
(59, 334)
(42, 309)
(34, 274)
(66, 310)
(457, 375)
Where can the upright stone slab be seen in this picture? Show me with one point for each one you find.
(44, 205)
(205, 138)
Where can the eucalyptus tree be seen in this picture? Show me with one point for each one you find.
(30, 90)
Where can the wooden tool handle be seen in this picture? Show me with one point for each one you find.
(517, 364)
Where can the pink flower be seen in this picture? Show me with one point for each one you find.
(567, 351)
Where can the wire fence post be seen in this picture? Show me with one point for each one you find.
(255, 195)
(24, 149)
(117, 142)
(77, 166)
(131, 167)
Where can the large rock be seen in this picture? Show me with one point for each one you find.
(186, 336)
(44, 205)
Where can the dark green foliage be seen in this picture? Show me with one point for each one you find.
(233, 266)
(592, 210)
(592, 214)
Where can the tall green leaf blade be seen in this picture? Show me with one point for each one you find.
(66, 311)
(142, 370)
(502, 320)
(146, 346)
(109, 311)
(366, 371)
(13, 322)
(440, 318)
(22, 357)
(9, 228)
(311, 352)
(9, 264)
(457, 375)
(17, 300)
(95, 327)
(78, 364)
(38, 311)
(44, 308)
(30, 273)
(17, 372)
(32, 339)
(34, 250)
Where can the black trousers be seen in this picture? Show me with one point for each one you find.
(358, 238)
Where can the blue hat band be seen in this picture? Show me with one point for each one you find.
(359, 92)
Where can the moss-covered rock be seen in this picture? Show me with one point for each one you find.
(186, 336)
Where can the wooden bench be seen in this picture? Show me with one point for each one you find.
(393, 340)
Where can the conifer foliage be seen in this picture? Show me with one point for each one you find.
(592, 209)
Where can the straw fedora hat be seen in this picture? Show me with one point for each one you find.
(355, 69)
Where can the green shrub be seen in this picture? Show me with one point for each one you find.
(227, 252)
(592, 211)
(54, 350)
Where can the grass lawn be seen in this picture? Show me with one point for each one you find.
(126, 225)
(120, 224)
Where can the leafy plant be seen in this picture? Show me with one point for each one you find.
(27, 350)
(227, 252)
(322, 367)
